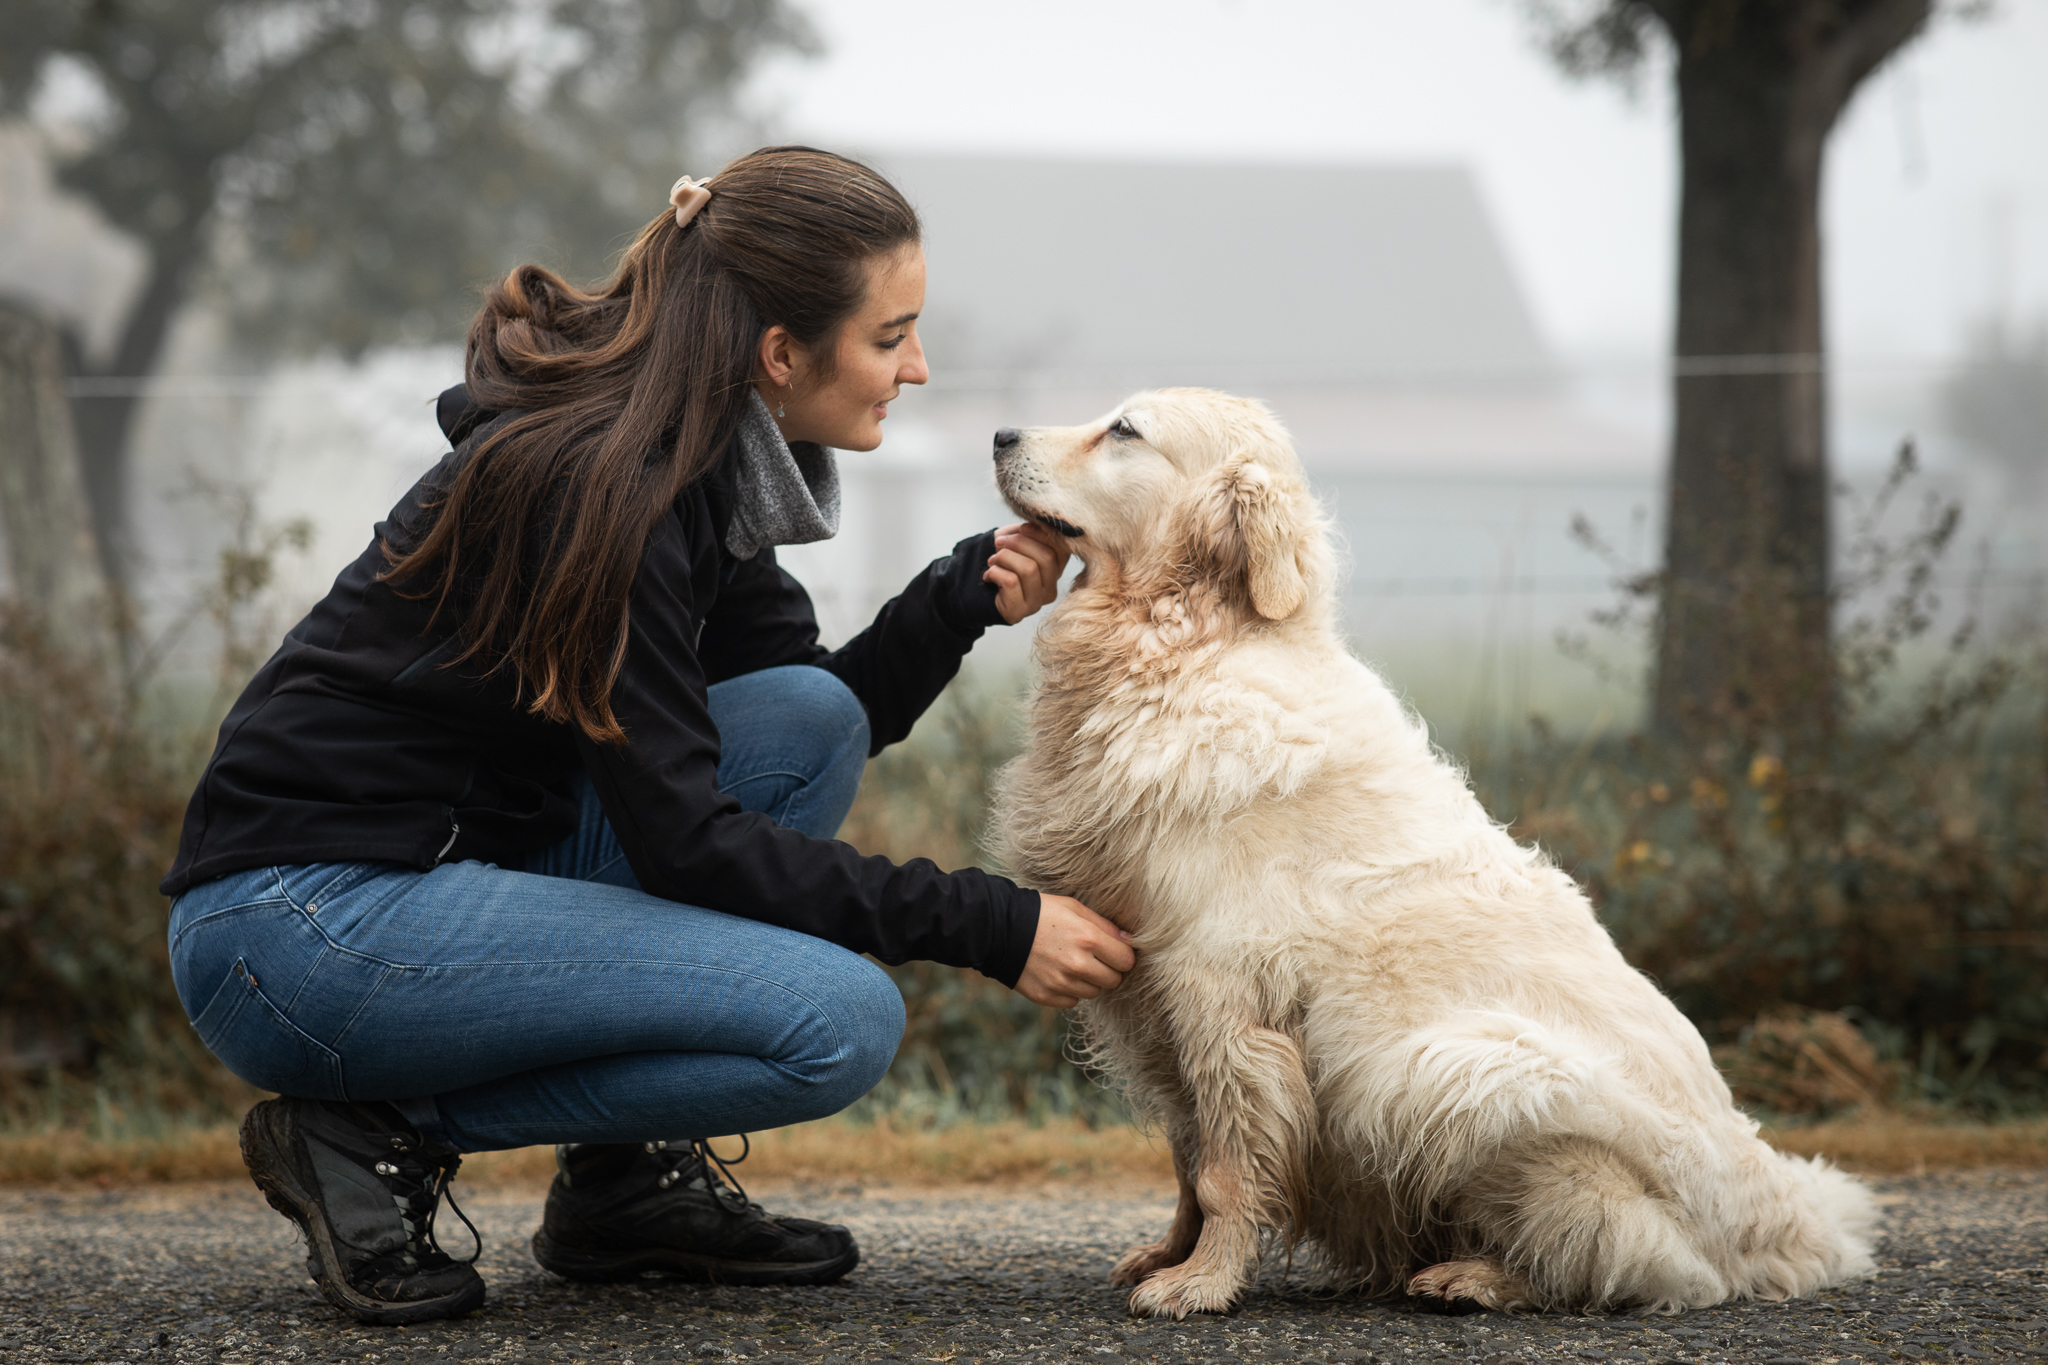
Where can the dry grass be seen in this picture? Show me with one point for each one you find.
(829, 1150)
(1893, 1144)
(1009, 1153)
(66, 1156)
(962, 1154)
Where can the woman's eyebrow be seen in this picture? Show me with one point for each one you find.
(898, 322)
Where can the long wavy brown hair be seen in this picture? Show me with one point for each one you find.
(622, 397)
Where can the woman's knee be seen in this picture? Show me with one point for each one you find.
(828, 707)
(864, 1013)
(796, 744)
(810, 701)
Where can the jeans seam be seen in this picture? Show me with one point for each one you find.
(350, 876)
(795, 806)
(804, 778)
(355, 1015)
(189, 925)
(607, 865)
(818, 1010)
(334, 945)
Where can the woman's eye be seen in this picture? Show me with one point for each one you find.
(893, 342)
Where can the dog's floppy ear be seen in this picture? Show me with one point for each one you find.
(1249, 521)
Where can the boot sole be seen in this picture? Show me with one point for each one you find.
(273, 1164)
(576, 1263)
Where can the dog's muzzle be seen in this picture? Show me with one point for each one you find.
(1014, 485)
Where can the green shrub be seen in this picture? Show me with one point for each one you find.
(1896, 877)
(1897, 872)
(96, 766)
(90, 805)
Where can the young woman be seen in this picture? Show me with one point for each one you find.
(524, 835)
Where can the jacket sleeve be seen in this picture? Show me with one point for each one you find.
(687, 841)
(897, 666)
(901, 662)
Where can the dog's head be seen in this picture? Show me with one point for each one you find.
(1176, 484)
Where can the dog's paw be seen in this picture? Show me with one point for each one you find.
(1141, 1261)
(1487, 1283)
(1180, 1290)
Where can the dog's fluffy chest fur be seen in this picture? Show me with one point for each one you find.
(1176, 744)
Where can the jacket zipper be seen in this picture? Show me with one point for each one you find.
(454, 833)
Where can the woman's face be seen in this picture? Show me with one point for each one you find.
(875, 354)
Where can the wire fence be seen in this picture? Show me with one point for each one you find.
(1007, 378)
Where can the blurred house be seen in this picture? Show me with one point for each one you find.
(1372, 307)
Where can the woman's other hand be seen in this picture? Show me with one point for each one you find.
(1026, 569)
(1076, 955)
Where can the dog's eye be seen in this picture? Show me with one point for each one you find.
(1124, 431)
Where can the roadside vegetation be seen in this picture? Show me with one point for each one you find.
(1860, 929)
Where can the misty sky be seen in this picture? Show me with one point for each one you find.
(1937, 199)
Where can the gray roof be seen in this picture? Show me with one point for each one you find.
(1137, 273)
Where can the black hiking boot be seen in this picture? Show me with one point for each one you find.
(363, 1186)
(617, 1211)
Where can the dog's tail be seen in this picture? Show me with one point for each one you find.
(1801, 1225)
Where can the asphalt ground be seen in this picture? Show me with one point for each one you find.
(208, 1273)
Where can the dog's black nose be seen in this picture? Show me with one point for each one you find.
(1006, 438)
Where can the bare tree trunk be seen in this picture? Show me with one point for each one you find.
(1744, 650)
(50, 551)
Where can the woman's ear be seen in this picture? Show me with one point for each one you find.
(777, 357)
(1251, 523)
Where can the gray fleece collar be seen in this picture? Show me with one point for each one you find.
(783, 494)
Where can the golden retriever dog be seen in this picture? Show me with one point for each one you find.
(1367, 1020)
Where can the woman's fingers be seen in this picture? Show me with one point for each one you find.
(1075, 956)
(1025, 570)
(1048, 559)
(1011, 601)
(1021, 578)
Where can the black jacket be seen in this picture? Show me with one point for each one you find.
(353, 744)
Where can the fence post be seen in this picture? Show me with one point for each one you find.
(51, 558)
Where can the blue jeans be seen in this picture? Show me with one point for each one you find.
(558, 1003)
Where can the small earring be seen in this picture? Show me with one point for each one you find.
(779, 412)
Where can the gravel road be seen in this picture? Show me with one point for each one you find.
(208, 1273)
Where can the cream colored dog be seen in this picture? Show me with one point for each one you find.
(1365, 1017)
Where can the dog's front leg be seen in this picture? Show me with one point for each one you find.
(1179, 1242)
(1256, 1120)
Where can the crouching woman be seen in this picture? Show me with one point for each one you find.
(524, 834)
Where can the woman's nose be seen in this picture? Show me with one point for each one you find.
(914, 370)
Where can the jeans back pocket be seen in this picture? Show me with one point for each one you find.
(253, 1038)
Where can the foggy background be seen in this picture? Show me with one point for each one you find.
(1444, 264)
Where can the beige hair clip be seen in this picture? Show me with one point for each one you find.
(689, 196)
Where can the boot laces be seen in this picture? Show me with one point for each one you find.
(418, 1185)
(686, 1163)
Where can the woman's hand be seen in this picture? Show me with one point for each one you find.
(1026, 569)
(1076, 955)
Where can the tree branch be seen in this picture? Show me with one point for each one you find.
(1872, 32)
